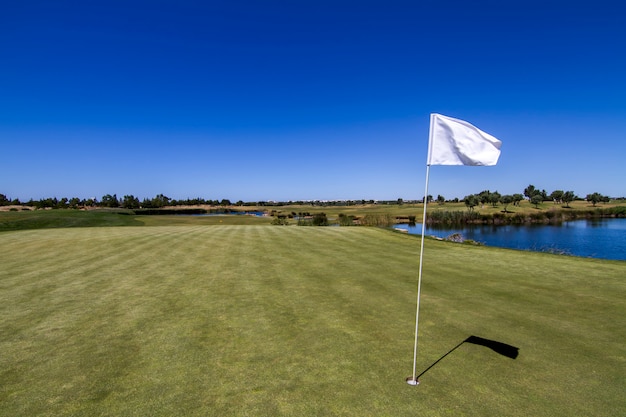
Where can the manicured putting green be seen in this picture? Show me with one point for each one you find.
(267, 320)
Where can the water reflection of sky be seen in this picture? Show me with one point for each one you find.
(605, 238)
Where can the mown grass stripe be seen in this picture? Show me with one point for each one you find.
(260, 320)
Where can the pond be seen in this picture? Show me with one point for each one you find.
(598, 238)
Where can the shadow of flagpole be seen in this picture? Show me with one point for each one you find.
(498, 347)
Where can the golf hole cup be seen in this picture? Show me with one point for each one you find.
(412, 381)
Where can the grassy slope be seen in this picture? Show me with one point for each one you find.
(417, 210)
(259, 320)
(38, 219)
(45, 219)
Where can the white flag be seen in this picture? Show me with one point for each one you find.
(456, 142)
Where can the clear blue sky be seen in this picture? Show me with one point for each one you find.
(288, 100)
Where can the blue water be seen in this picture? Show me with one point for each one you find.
(602, 238)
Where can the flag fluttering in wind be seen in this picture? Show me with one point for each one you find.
(451, 142)
(457, 142)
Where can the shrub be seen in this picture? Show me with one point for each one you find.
(280, 221)
(379, 220)
(346, 220)
(320, 219)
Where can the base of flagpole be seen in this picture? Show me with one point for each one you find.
(412, 381)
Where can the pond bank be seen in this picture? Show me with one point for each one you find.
(503, 218)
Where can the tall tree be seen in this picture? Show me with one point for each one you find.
(130, 202)
(595, 198)
(557, 196)
(74, 202)
(517, 198)
(471, 201)
(494, 198)
(530, 191)
(109, 201)
(506, 200)
(568, 197)
(160, 201)
(484, 197)
(536, 199)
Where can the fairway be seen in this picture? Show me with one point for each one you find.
(258, 320)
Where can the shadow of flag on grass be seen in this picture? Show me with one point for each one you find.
(498, 347)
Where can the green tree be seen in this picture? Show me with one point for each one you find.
(109, 201)
(494, 198)
(441, 199)
(471, 201)
(536, 199)
(160, 201)
(529, 192)
(74, 202)
(517, 198)
(47, 203)
(506, 200)
(130, 202)
(483, 197)
(595, 198)
(4, 201)
(568, 197)
(557, 196)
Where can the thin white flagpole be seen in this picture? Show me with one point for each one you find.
(413, 379)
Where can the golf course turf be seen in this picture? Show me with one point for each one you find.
(260, 320)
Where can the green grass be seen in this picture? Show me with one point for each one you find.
(525, 208)
(59, 218)
(45, 219)
(264, 320)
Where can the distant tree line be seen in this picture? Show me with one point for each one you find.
(161, 200)
(112, 201)
(534, 196)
